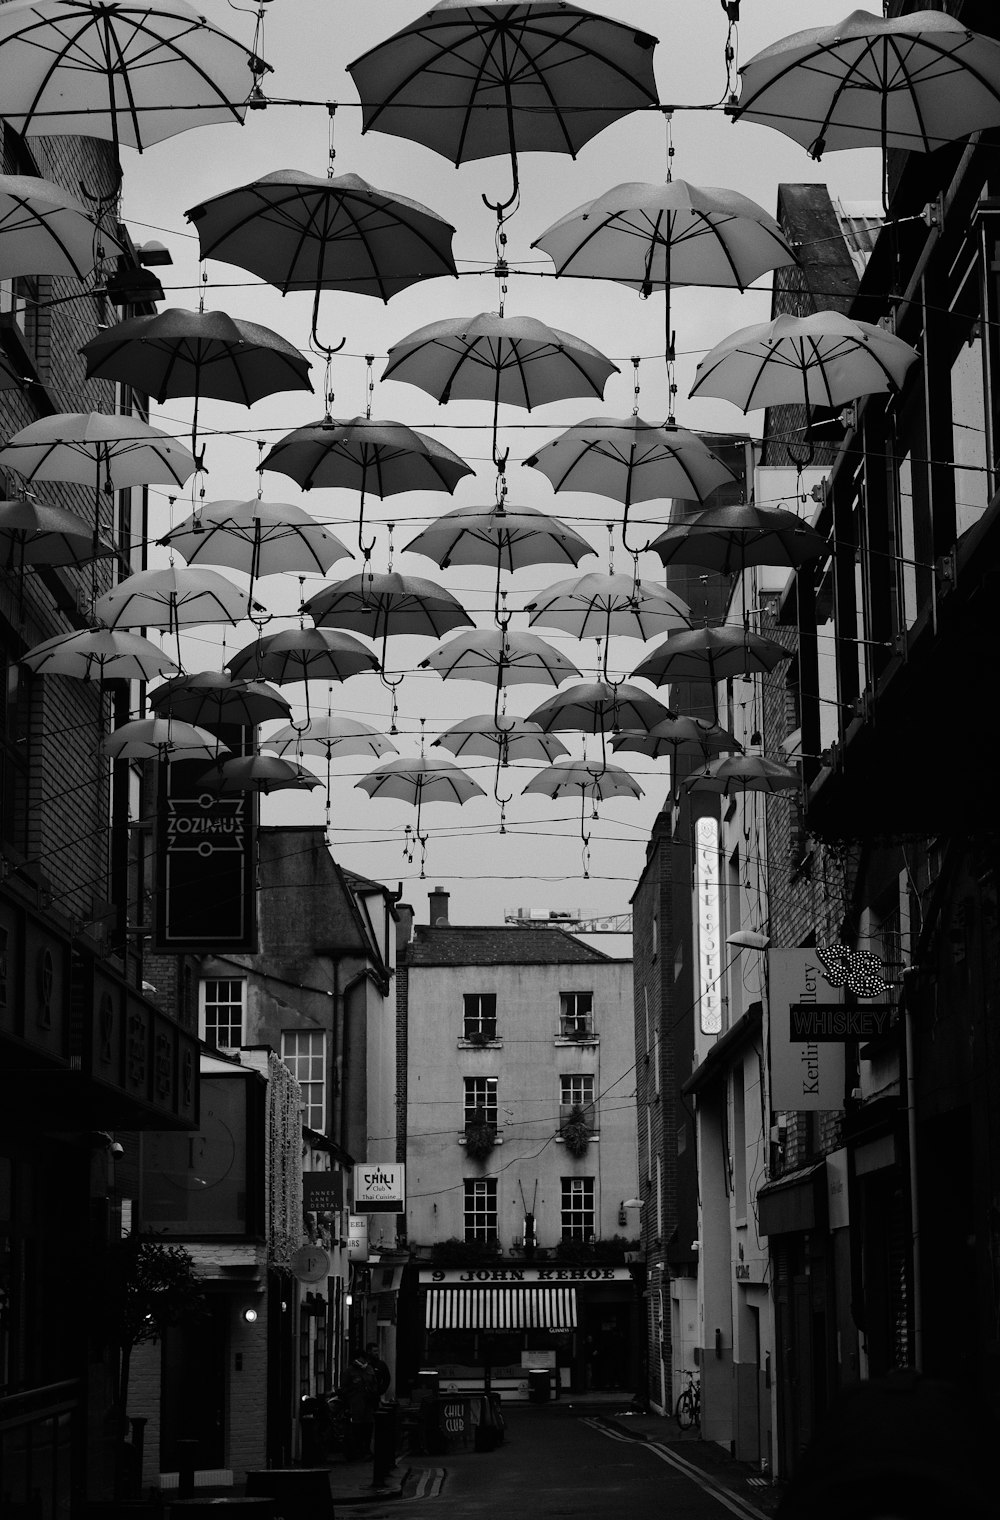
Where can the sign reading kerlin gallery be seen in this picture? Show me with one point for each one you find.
(807, 1070)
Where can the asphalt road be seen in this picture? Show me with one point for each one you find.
(557, 1462)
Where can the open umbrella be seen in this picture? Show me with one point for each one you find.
(729, 538)
(506, 741)
(328, 735)
(302, 232)
(631, 460)
(366, 455)
(508, 539)
(132, 71)
(744, 773)
(471, 80)
(711, 654)
(673, 734)
(657, 236)
(258, 773)
(490, 357)
(100, 654)
(599, 605)
(257, 537)
(382, 604)
(161, 739)
(171, 598)
(197, 353)
(46, 230)
(35, 533)
(824, 359)
(915, 81)
(569, 778)
(599, 707)
(110, 453)
(215, 698)
(501, 657)
(303, 654)
(419, 780)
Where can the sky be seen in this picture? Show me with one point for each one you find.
(538, 862)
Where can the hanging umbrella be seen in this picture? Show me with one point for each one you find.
(500, 657)
(302, 232)
(197, 353)
(257, 537)
(711, 654)
(133, 73)
(303, 654)
(258, 773)
(674, 734)
(568, 777)
(419, 780)
(214, 698)
(916, 81)
(630, 460)
(359, 454)
(111, 453)
(597, 606)
(161, 739)
(34, 533)
(100, 654)
(509, 740)
(171, 598)
(46, 230)
(598, 707)
(658, 236)
(329, 735)
(825, 359)
(472, 80)
(510, 540)
(744, 773)
(390, 603)
(517, 360)
(729, 538)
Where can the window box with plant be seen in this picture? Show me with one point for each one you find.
(576, 1131)
(480, 1135)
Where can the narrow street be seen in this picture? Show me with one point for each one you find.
(565, 1461)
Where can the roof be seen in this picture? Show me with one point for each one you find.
(496, 946)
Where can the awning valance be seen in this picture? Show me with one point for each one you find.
(514, 1308)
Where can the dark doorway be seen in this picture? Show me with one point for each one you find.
(195, 1357)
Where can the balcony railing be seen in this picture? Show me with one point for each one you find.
(41, 1449)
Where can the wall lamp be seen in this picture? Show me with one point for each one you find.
(749, 939)
(628, 1203)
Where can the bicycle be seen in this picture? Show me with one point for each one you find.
(687, 1411)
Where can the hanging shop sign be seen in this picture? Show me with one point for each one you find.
(205, 849)
(322, 1192)
(310, 1264)
(458, 1276)
(831, 1021)
(807, 1071)
(379, 1187)
(706, 887)
(357, 1237)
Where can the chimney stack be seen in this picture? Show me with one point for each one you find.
(437, 908)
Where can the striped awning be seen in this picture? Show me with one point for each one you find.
(506, 1308)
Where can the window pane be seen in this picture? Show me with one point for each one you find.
(481, 1094)
(222, 1001)
(576, 1012)
(481, 1208)
(577, 1208)
(304, 1053)
(480, 1015)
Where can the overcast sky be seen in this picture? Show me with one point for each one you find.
(537, 863)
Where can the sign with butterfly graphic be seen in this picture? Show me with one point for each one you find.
(807, 1073)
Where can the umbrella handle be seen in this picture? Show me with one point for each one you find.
(501, 206)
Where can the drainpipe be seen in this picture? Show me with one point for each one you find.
(911, 1145)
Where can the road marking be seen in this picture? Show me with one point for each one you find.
(428, 1484)
(731, 1501)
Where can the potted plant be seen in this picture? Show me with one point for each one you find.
(477, 1037)
(480, 1136)
(576, 1131)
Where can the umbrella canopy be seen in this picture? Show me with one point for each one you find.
(258, 773)
(134, 73)
(172, 598)
(496, 654)
(329, 735)
(471, 80)
(744, 773)
(595, 606)
(99, 654)
(680, 732)
(568, 777)
(363, 454)
(598, 707)
(303, 654)
(915, 81)
(630, 460)
(731, 537)
(257, 537)
(510, 739)
(711, 654)
(508, 539)
(116, 452)
(216, 698)
(420, 780)
(517, 360)
(161, 739)
(825, 359)
(302, 232)
(46, 230)
(390, 603)
(34, 533)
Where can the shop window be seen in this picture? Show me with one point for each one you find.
(223, 1006)
(480, 1016)
(304, 1053)
(578, 1219)
(481, 1100)
(481, 1209)
(576, 1014)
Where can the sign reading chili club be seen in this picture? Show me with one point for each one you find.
(205, 843)
(379, 1187)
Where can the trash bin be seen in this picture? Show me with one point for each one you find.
(539, 1385)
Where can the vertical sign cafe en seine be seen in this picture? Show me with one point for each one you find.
(706, 888)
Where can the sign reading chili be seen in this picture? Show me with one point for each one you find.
(379, 1187)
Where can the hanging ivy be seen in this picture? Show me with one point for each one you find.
(576, 1131)
(480, 1136)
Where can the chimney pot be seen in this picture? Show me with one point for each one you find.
(437, 907)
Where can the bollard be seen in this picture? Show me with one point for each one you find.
(383, 1445)
(187, 1451)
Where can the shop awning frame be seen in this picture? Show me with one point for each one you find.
(501, 1308)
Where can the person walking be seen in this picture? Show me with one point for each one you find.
(358, 1386)
(383, 1377)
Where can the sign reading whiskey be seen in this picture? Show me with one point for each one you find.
(205, 880)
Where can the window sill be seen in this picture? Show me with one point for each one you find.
(593, 1140)
(497, 1140)
(465, 1044)
(569, 1039)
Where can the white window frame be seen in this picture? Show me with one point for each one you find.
(576, 1013)
(204, 1003)
(481, 1092)
(578, 1208)
(481, 1209)
(475, 1015)
(576, 1089)
(308, 1067)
